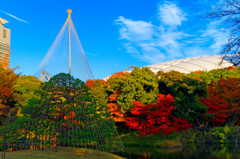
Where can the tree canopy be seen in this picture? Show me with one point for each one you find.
(224, 100)
(157, 117)
(7, 81)
(25, 88)
(113, 89)
(63, 115)
(216, 74)
(141, 85)
(186, 92)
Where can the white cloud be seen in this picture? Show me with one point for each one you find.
(170, 14)
(151, 54)
(13, 16)
(131, 49)
(135, 30)
(219, 36)
(195, 51)
(168, 40)
(148, 42)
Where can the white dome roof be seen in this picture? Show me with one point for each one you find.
(191, 64)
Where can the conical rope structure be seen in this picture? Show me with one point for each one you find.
(66, 55)
(64, 115)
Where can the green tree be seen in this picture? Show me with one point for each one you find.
(64, 115)
(186, 92)
(140, 85)
(24, 89)
(216, 74)
(98, 92)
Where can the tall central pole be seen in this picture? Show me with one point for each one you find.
(69, 21)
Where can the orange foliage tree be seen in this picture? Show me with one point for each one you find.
(107, 93)
(4, 62)
(90, 83)
(123, 74)
(7, 80)
(113, 86)
(114, 108)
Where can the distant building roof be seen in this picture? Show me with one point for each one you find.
(3, 21)
(191, 64)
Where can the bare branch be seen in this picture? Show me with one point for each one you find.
(229, 15)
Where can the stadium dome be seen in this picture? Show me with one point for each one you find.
(191, 64)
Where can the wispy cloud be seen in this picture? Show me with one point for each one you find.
(92, 54)
(218, 36)
(169, 40)
(170, 14)
(21, 20)
(134, 30)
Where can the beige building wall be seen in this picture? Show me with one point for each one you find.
(5, 35)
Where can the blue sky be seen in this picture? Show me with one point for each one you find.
(114, 34)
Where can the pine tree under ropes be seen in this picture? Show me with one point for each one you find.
(64, 115)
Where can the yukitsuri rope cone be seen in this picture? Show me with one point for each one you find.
(64, 115)
(66, 55)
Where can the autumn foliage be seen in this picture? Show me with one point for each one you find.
(224, 100)
(119, 74)
(199, 71)
(4, 62)
(113, 107)
(113, 89)
(219, 110)
(90, 83)
(111, 98)
(200, 98)
(230, 68)
(153, 118)
(7, 80)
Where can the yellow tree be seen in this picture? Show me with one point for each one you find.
(24, 89)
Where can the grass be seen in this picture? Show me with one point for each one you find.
(62, 153)
(155, 140)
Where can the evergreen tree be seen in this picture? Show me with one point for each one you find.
(186, 92)
(141, 85)
(64, 115)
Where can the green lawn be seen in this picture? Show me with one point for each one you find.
(155, 140)
(62, 153)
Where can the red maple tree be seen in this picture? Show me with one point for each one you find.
(224, 100)
(152, 118)
(219, 110)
